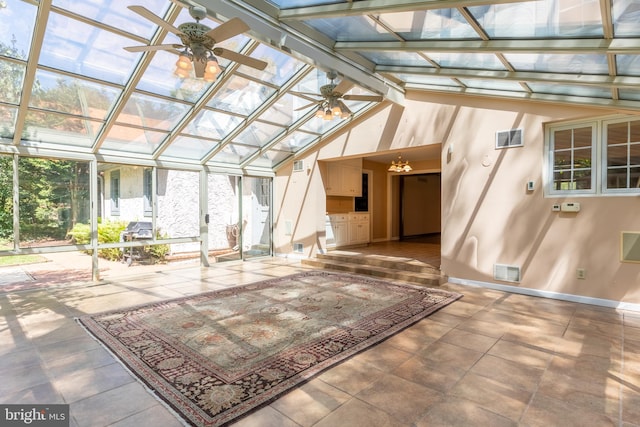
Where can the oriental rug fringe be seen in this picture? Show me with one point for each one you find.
(215, 356)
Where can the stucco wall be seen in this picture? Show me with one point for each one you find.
(488, 217)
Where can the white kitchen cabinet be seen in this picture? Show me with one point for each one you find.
(358, 228)
(343, 179)
(347, 229)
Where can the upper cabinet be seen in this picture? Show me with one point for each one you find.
(344, 178)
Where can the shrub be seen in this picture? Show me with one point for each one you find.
(108, 232)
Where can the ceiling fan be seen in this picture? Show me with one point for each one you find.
(198, 43)
(331, 105)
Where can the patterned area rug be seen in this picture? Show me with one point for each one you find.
(215, 356)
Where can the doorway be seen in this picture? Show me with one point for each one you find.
(420, 207)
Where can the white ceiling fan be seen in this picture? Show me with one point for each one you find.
(198, 43)
(331, 105)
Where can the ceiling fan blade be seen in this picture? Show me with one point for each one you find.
(307, 106)
(228, 29)
(146, 13)
(239, 58)
(343, 86)
(153, 47)
(370, 98)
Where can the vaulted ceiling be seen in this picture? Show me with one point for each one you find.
(69, 88)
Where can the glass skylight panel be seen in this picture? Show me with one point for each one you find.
(133, 140)
(258, 134)
(581, 91)
(628, 65)
(86, 50)
(17, 21)
(540, 19)
(351, 29)
(283, 110)
(430, 24)
(240, 95)
(402, 59)
(159, 78)
(7, 123)
(150, 112)
(289, 4)
(280, 66)
(294, 142)
(629, 94)
(212, 124)
(185, 147)
(66, 94)
(492, 85)
(426, 80)
(12, 75)
(233, 153)
(559, 63)
(626, 16)
(116, 14)
(49, 127)
(271, 158)
(484, 61)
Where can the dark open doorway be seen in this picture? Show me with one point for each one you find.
(420, 207)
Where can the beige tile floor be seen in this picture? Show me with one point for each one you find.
(489, 359)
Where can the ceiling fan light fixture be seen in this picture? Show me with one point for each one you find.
(184, 61)
(328, 115)
(320, 112)
(182, 73)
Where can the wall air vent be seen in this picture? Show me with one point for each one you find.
(298, 248)
(630, 246)
(506, 273)
(298, 166)
(509, 138)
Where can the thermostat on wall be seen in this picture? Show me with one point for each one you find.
(570, 207)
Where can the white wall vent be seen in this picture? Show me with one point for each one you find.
(298, 248)
(506, 273)
(298, 165)
(509, 138)
(630, 246)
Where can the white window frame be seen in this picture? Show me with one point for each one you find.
(598, 155)
(604, 172)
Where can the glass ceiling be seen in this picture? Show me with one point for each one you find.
(68, 85)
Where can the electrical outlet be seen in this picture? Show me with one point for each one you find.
(581, 273)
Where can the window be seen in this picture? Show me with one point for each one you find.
(115, 192)
(147, 189)
(572, 151)
(623, 155)
(596, 157)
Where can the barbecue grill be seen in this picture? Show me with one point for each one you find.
(136, 230)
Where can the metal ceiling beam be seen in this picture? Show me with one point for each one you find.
(620, 82)
(44, 10)
(628, 46)
(246, 122)
(268, 29)
(370, 7)
(608, 104)
(202, 102)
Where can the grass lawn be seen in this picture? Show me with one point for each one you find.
(18, 259)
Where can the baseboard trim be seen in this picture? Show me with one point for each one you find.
(547, 294)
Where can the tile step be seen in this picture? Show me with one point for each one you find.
(398, 273)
